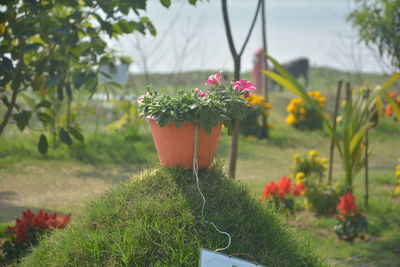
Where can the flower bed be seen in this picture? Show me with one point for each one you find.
(302, 116)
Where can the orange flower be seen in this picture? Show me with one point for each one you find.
(388, 110)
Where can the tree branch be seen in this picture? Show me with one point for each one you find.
(251, 28)
(228, 29)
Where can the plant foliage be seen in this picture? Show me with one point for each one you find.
(221, 104)
(55, 47)
(378, 23)
(357, 116)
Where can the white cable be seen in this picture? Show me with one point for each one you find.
(196, 174)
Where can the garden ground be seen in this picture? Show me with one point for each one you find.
(65, 180)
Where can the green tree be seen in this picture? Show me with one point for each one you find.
(378, 24)
(54, 47)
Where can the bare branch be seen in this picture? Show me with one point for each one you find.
(251, 28)
(228, 29)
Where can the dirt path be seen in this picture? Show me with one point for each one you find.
(55, 186)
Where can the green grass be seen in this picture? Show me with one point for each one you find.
(103, 148)
(154, 220)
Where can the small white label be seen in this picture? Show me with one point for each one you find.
(210, 258)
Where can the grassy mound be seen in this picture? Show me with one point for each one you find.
(154, 220)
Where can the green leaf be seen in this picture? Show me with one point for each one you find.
(389, 82)
(22, 119)
(282, 81)
(166, 3)
(44, 104)
(31, 47)
(78, 78)
(6, 65)
(151, 28)
(65, 138)
(192, 2)
(76, 134)
(43, 145)
(53, 81)
(45, 118)
(91, 82)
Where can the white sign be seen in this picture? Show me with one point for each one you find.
(210, 258)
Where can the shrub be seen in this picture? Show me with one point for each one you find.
(253, 123)
(302, 116)
(351, 222)
(310, 170)
(281, 195)
(28, 230)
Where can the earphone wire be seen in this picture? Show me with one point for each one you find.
(196, 174)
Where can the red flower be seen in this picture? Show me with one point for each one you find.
(299, 189)
(269, 189)
(347, 203)
(41, 222)
(285, 186)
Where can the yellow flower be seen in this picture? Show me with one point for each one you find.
(267, 106)
(300, 175)
(291, 119)
(397, 190)
(296, 157)
(299, 178)
(325, 166)
(313, 153)
(323, 160)
(315, 94)
(270, 125)
(266, 113)
(302, 111)
(398, 173)
(321, 99)
(326, 116)
(291, 108)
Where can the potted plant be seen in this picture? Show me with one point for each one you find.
(173, 120)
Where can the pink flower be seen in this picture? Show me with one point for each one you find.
(140, 98)
(214, 79)
(200, 93)
(245, 86)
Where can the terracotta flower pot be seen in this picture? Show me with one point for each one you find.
(175, 146)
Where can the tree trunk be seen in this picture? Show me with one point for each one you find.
(265, 79)
(236, 59)
(10, 108)
(235, 136)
